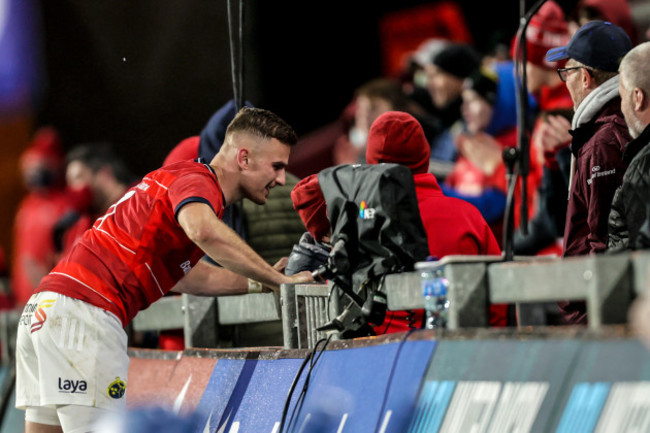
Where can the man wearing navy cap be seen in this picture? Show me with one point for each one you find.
(599, 136)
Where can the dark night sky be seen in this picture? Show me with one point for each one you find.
(149, 73)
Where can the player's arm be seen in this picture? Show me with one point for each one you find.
(206, 279)
(222, 244)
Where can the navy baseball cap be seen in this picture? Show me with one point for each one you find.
(599, 44)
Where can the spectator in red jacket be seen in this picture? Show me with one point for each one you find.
(42, 166)
(453, 226)
(98, 178)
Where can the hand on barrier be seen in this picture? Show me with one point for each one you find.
(281, 264)
(300, 277)
(257, 287)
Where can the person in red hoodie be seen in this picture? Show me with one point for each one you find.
(453, 226)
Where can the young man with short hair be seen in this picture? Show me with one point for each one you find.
(72, 360)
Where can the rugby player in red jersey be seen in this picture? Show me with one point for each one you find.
(71, 355)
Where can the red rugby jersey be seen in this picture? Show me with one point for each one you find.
(137, 251)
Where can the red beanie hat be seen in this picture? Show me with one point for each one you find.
(308, 200)
(398, 137)
(45, 145)
(547, 29)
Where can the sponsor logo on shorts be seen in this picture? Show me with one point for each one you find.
(28, 312)
(69, 386)
(40, 315)
(117, 388)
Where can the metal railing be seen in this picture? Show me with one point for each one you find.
(607, 283)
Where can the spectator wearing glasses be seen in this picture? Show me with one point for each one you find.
(599, 136)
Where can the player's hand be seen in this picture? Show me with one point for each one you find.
(301, 277)
(281, 264)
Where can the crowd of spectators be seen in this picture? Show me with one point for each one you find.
(449, 119)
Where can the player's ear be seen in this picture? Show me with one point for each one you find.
(243, 158)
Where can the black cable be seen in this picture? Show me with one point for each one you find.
(524, 144)
(510, 157)
(235, 52)
(390, 320)
(312, 360)
(522, 104)
(241, 53)
(285, 410)
(390, 377)
(329, 301)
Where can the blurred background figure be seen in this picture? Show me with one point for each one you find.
(550, 136)
(98, 178)
(617, 12)
(414, 76)
(446, 72)
(413, 72)
(371, 99)
(42, 166)
(479, 174)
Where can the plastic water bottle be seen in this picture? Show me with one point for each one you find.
(436, 304)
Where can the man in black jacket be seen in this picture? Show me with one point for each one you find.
(631, 201)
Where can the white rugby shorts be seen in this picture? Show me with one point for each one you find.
(70, 352)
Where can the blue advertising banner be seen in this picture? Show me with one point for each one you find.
(371, 389)
(246, 395)
(354, 390)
